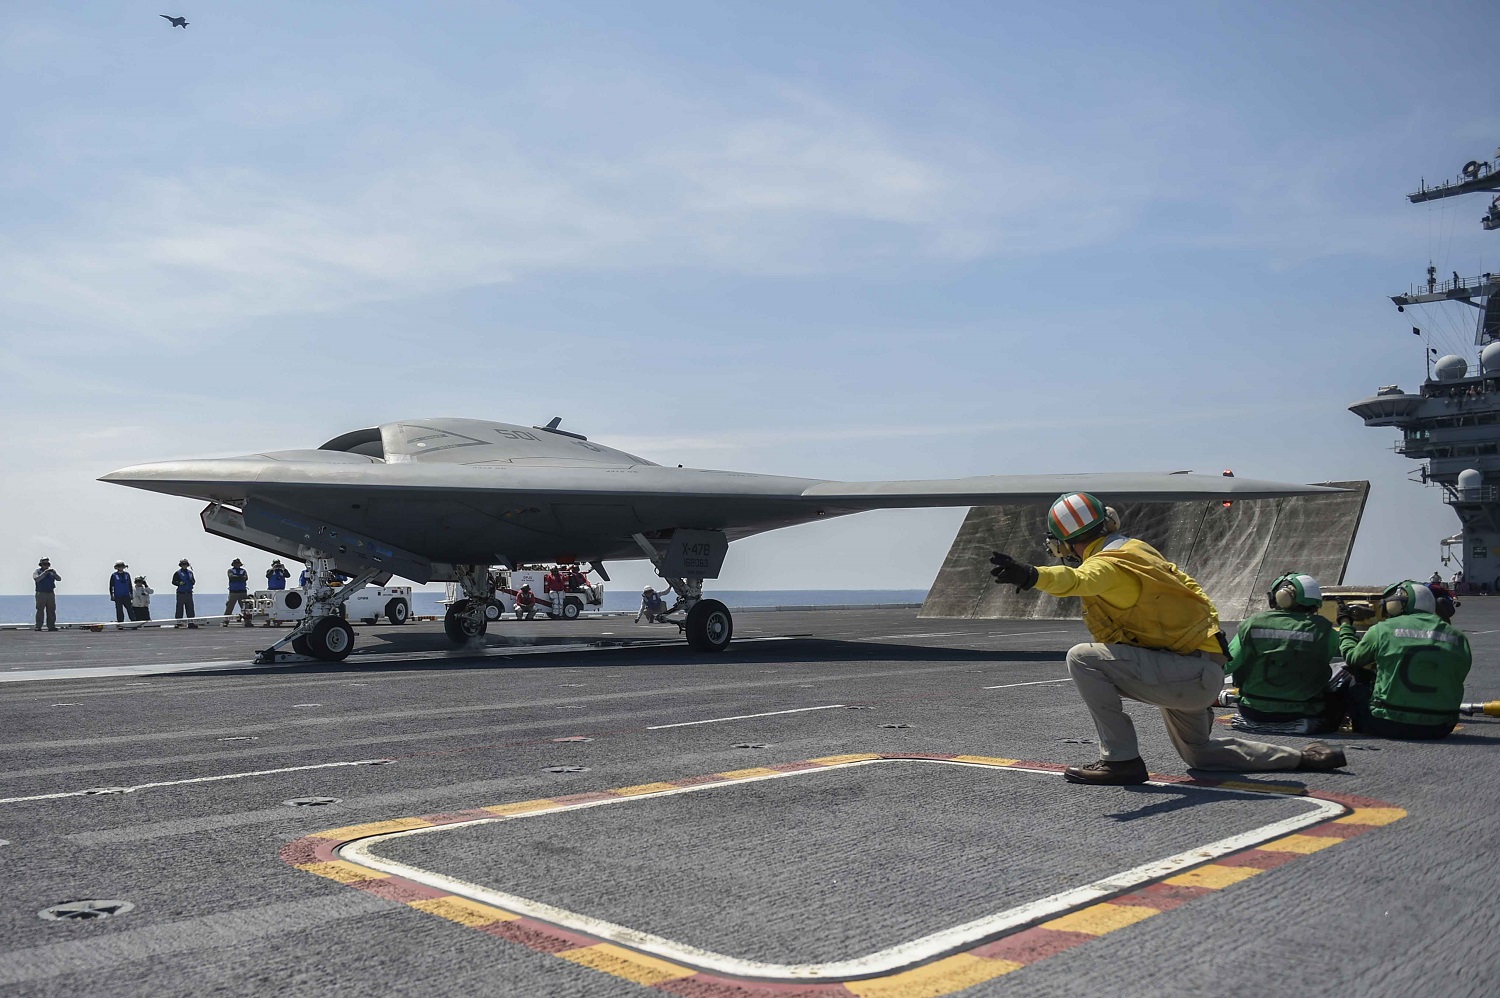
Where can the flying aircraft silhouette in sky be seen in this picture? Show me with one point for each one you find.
(177, 22)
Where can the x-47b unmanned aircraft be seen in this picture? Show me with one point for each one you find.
(441, 500)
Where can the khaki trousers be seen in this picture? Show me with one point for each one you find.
(1184, 687)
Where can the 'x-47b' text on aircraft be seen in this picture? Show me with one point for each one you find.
(435, 500)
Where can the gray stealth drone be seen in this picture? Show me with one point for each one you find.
(443, 499)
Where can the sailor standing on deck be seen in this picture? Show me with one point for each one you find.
(277, 575)
(1157, 640)
(121, 591)
(184, 581)
(239, 591)
(46, 579)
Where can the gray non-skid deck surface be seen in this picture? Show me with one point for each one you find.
(846, 861)
(1407, 909)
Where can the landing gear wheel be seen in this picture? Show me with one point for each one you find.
(396, 611)
(332, 639)
(709, 626)
(493, 610)
(460, 625)
(301, 647)
(570, 609)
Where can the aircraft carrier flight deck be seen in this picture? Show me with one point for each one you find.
(844, 802)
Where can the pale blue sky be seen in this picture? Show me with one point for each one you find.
(844, 240)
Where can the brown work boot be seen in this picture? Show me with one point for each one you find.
(1109, 772)
(1320, 757)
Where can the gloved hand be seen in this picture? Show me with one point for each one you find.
(1345, 614)
(1008, 571)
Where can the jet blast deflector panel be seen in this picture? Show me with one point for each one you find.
(1234, 552)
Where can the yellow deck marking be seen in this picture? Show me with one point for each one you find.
(985, 760)
(374, 828)
(521, 808)
(1371, 816)
(344, 873)
(1214, 876)
(1098, 919)
(621, 962)
(942, 977)
(743, 774)
(463, 911)
(1303, 844)
(838, 760)
(644, 788)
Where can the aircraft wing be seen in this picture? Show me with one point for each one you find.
(995, 490)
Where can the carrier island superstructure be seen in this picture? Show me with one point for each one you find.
(1452, 423)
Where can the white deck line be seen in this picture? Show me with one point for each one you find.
(196, 779)
(884, 961)
(743, 717)
(353, 661)
(1039, 682)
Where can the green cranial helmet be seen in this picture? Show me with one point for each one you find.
(1295, 590)
(1407, 597)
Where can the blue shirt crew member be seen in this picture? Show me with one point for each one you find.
(277, 575)
(46, 579)
(184, 581)
(121, 592)
(239, 592)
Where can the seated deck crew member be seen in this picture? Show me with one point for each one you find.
(1410, 666)
(1156, 640)
(1280, 660)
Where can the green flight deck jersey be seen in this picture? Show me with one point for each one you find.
(1280, 661)
(1420, 666)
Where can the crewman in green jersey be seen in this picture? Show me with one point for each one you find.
(1418, 661)
(1281, 659)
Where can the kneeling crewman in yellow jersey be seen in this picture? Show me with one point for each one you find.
(1156, 640)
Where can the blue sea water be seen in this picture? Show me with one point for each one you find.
(78, 609)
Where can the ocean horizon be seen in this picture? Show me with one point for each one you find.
(78, 609)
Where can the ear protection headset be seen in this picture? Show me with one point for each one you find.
(1407, 597)
(1293, 590)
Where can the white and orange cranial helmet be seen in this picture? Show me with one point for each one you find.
(1074, 515)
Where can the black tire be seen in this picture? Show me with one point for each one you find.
(332, 639)
(460, 626)
(301, 647)
(493, 610)
(368, 621)
(397, 612)
(571, 608)
(709, 626)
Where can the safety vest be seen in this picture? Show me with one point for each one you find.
(1281, 661)
(1420, 666)
(239, 580)
(1168, 616)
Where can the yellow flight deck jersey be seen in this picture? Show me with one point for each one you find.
(1132, 595)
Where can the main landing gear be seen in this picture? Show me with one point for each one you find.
(322, 633)
(468, 618)
(706, 623)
